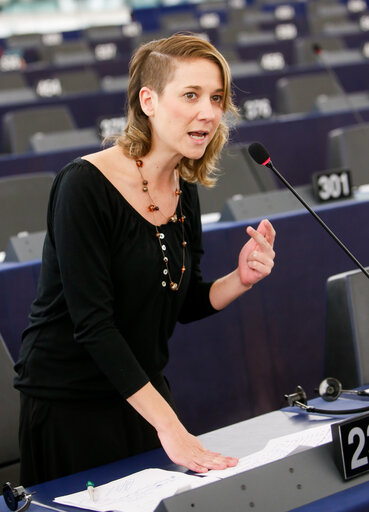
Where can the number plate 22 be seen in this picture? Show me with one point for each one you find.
(351, 445)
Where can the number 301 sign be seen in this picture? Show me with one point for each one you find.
(351, 445)
(329, 186)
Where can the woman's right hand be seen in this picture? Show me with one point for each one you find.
(181, 447)
(186, 450)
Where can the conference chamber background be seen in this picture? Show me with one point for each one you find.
(63, 80)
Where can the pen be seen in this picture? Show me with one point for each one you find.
(91, 489)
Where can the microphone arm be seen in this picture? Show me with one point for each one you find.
(269, 164)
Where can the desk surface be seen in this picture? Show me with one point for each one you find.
(240, 439)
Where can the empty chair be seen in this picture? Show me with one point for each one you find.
(254, 17)
(20, 125)
(23, 200)
(238, 174)
(297, 94)
(70, 52)
(22, 41)
(303, 48)
(322, 13)
(341, 28)
(347, 327)
(230, 54)
(9, 419)
(240, 69)
(169, 20)
(14, 88)
(228, 34)
(348, 148)
(25, 247)
(78, 82)
(343, 102)
(115, 83)
(146, 37)
(251, 38)
(236, 16)
(41, 142)
(12, 80)
(103, 33)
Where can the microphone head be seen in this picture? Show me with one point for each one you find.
(258, 152)
(317, 48)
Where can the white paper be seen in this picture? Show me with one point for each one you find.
(141, 491)
(276, 449)
(144, 490)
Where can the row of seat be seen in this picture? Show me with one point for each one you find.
(233, 42)
(31, 128)
(24, 197)
(224, 25)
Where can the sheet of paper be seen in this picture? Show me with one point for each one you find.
(144, 490)
(276, 449)
(141, 491)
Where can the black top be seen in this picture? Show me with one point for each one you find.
(102, 319)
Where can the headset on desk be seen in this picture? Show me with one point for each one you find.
(13, 495)
(329, 389)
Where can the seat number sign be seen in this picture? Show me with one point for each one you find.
(330, 186)
(351, 446)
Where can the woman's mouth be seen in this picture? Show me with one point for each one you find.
(198, 136)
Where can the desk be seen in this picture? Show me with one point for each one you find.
(239, 439)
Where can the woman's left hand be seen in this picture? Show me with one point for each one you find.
(256, 258)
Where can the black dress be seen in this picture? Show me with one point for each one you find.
(100, 324)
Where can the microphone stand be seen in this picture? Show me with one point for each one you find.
(269, 164)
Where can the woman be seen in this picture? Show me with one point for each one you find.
(121, 264)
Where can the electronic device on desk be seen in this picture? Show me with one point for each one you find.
(350, 437)
(329, 389)
(13, 495)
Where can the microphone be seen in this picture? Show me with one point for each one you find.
(261, 156)
(319, 52)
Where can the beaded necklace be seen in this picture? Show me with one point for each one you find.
(174, 286)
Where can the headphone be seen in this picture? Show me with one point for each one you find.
(329, 389)
(12, 495)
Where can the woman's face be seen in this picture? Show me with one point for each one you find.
(184, 118)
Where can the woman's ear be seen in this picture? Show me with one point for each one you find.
(147, 100)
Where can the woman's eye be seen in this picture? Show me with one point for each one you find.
(190, 95)
(217, 98)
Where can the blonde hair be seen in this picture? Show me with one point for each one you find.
(153, 65)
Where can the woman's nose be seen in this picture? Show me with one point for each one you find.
(207, 110)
